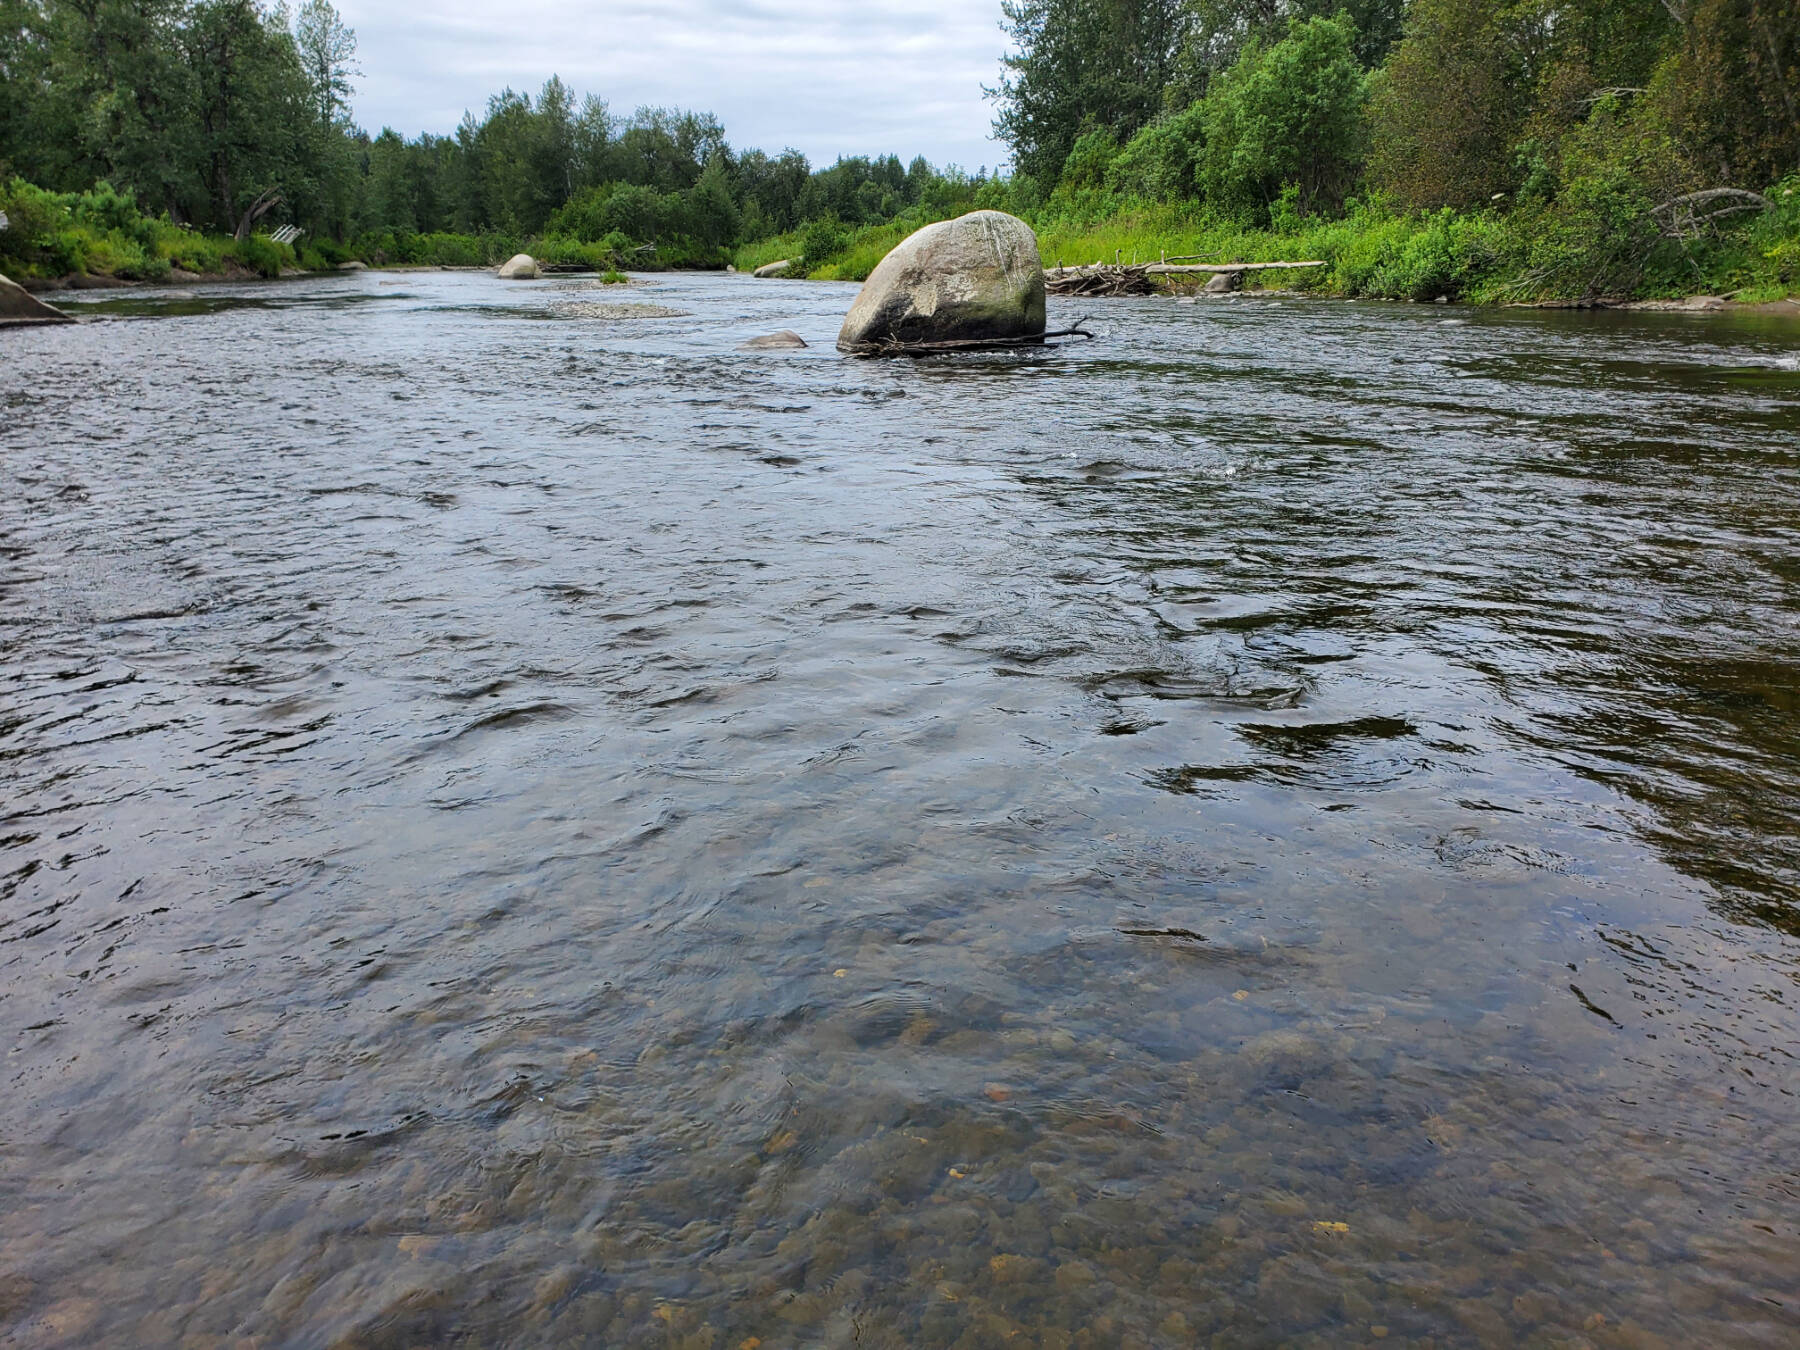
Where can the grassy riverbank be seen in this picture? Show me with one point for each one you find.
(1489, 257)
(103, 235)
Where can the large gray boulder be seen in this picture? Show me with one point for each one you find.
(774, 269)
(519, 267)
(20, 306)
(973, 279)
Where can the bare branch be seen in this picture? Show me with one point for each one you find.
(1688, 215)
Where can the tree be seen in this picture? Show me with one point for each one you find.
(1221, 29)
(592, 130)
(1730, 92)
(1290, 116)
(1162, 162)
(1081, 64)
(328, 54)
(250, 101)
(23, 63)
(117, 99)
(1449, 107)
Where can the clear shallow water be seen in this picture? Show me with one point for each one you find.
(1274, 826)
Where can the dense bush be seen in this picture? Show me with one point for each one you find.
(822, 240)
(1290, 116)
(1162, 162)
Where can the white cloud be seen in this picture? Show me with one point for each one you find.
(827, 79)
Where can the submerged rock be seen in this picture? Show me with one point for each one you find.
(786, 339)
(774, 269)
(973, 279)
(519, 267)
(18, 305)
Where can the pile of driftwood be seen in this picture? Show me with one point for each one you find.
(1135, 278)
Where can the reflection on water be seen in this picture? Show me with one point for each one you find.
(1274, 826)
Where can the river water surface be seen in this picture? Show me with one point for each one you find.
(525, 827)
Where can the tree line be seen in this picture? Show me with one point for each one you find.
(1580, 146)
(229, 114)
(1575, 146)
(1433, 103)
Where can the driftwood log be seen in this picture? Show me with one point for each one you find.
(1140, 278)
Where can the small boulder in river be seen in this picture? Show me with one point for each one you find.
(774, 269)
(972, 280)
(20, 306)
(519, 267)
(787, 339)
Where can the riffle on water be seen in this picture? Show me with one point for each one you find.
(522, 825)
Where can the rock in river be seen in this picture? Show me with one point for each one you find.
(786, 338)
(774, 269)
(519, 267)
(18, 305)
(973, 279)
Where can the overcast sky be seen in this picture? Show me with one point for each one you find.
(854, 77)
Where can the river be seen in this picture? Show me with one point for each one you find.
(525, 826)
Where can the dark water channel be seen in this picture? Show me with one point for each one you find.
(520, 827)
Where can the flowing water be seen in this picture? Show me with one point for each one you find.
(525, 826)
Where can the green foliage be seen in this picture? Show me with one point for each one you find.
(1729, 90)
(1230, 127)
(1443, 254)
(1162, 162)
(822, 240)
(1288, 116)
(1081, 64)
(1450, 102)
(320, 255)
(261, 255)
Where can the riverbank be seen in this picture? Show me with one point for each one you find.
(1496, 257)
(1484, 258)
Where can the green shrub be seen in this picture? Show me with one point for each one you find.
(1291, 114)
(190, 251)
(821, 240)
(104, 210)
(1446, 256)
(61, 253)
(322, 253)
(40, 239)
(117, 254)
(1161, 162)
(261, 254)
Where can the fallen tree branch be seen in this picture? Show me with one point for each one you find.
(1686, 216)
(1613, 92)
(896, 347)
